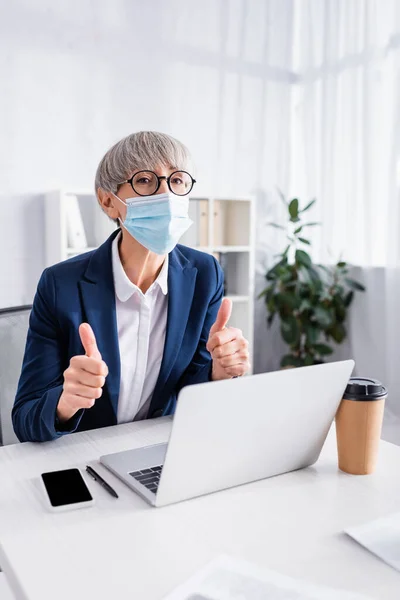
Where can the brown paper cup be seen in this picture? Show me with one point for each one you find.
(359, 426)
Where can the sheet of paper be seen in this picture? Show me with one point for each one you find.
(228, 578)
(381, 537)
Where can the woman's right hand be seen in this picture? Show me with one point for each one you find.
(84, 378)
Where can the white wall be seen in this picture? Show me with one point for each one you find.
(21, 247)
(77, 75)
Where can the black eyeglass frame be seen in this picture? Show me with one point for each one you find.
(159, 178)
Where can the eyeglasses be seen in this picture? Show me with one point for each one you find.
(147, 183)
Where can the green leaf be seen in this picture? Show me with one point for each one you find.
(306, 279)
(340, 317)
(314, 274)
(318, 288)
(325, 297)
(274, 271)
(323, 316)
(290, 361)
(298, 230)
(294, 209)
(340, 307)
(285, 276)
(276, 226)
(271, 305)
(270, 319)
(309, 205)
(286, 300)
(341, 264)
(323, 349)
(271, 275)
(308, 360)
(354, 285)
(268, 293)
(338, 332)
(301, 239)
(305, 305)
(313, 224)
(312, 334)
(285, 252)
(290, 330)
(303, 258)
(348, 299)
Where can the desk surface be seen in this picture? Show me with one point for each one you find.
(125, 549)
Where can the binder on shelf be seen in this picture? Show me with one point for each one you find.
(203, 222)
(220, 208)
(197, 234)
(75, 230)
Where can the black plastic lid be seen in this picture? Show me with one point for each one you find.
(363, 388)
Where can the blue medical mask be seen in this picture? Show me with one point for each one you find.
(157, 222)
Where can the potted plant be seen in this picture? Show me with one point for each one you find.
(311, 300)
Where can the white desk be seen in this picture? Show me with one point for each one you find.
(5, 592)
(124, 549)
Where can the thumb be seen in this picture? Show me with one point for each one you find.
(223, 316)
(89, 341)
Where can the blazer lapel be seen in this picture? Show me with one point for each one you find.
(98, 299)
(181, 283)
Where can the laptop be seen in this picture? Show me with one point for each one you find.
(231, 432)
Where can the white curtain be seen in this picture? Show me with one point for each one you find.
(346, 153)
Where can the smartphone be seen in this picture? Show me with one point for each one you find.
(66, 490)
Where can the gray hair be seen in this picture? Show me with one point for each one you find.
(136, 152)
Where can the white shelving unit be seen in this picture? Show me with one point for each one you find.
(224, 227)
(58, 215)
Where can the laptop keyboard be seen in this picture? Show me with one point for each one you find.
(150, 478)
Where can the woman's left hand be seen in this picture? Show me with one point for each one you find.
(227, 346)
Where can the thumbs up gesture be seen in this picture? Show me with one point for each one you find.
(227, 346)
(84, 378)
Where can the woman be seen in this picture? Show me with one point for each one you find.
(115, 333)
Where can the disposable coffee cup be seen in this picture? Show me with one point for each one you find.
(359, 425)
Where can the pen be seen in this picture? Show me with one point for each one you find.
(105, 485)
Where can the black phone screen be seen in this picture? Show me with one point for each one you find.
(66, 487)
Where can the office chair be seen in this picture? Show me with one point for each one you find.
(13, 330)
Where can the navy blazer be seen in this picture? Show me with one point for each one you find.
(80, 290)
